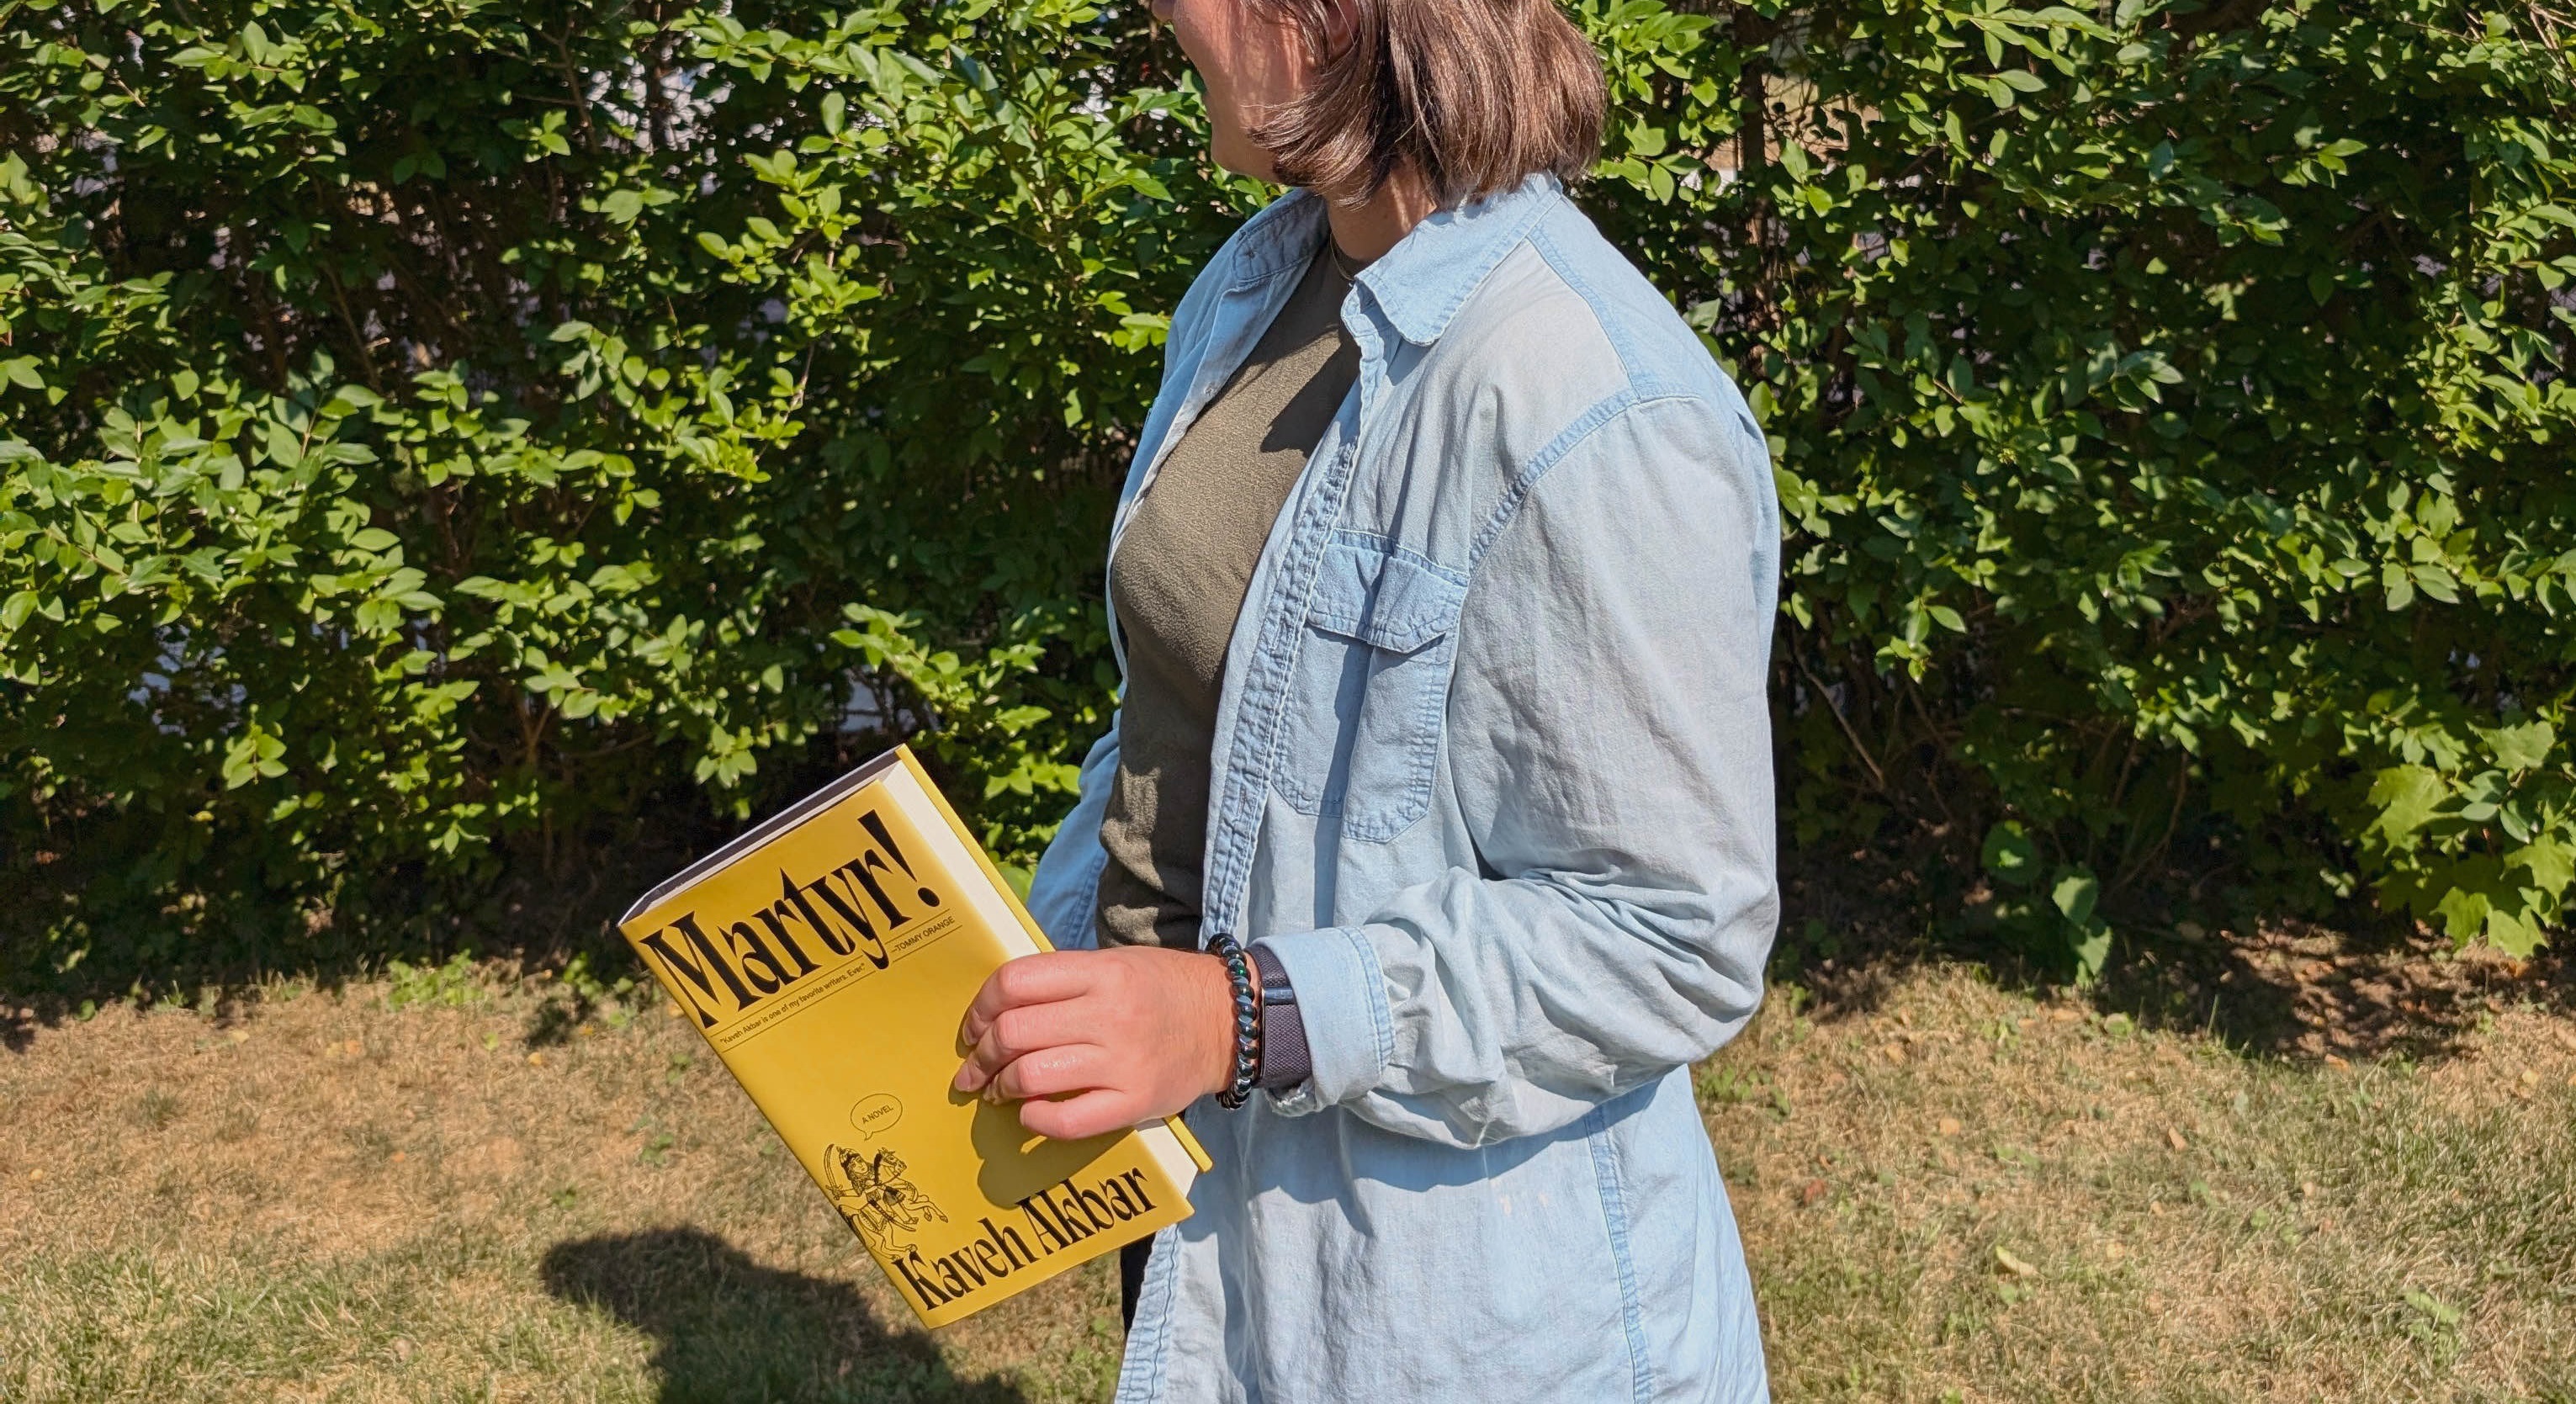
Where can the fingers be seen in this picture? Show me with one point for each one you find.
(1035, 979)
(1015, 1033)
(1076, 1118)
(1051, 1072)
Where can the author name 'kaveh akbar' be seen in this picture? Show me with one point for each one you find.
(1057, 1218)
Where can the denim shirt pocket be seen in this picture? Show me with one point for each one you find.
(1371, 682)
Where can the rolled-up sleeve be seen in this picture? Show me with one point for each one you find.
(1608, 741)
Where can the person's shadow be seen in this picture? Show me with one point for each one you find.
(725, 1328)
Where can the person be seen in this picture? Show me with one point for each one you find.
(1441, 590)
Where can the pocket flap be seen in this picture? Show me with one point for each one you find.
(1383, 598)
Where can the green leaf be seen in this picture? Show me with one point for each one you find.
(2074, 895)
(2092, 950)
(2524, 747)
(2515, 933)
(2550, 859)
(2405, 797)
(2011, 855)
(2463, 914)
(285, 447)
(2439, 1312)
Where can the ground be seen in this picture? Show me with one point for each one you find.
(461, 1185)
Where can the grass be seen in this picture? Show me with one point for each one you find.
(1972, 1195)
(438, 1186)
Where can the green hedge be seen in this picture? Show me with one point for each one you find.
(448, 444)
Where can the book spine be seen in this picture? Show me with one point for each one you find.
(993, 874)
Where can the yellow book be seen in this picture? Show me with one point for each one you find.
(828, 956)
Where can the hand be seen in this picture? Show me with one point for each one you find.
(1094, 1041)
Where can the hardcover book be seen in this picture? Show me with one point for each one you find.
(828, 956)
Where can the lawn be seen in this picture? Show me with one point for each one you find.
(458, 1185)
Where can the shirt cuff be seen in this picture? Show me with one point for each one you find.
(1342, 1013)
(1284, 1062)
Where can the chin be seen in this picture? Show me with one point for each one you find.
(1243, 158)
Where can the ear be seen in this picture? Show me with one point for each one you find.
(1341, 25)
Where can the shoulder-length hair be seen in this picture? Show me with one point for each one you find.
(1474, 94)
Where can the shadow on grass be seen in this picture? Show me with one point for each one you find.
(1853, 925)
(725, 1328)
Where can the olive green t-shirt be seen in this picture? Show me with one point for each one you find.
(1182, 568)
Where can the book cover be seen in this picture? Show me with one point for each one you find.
(828, 956)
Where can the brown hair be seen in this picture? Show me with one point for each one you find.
(1474, 94)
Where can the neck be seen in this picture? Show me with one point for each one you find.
(1368, 229)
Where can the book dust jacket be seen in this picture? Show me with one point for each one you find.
(828, 956)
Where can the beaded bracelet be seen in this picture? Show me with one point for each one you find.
(1247, 1022)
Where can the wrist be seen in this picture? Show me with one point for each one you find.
(1244, 1005)
(1213, 1014)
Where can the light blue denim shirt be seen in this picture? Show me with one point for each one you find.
(1492, 780)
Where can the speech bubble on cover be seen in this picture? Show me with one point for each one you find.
(876, 1114)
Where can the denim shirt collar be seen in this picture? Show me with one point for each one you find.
(1422, 282)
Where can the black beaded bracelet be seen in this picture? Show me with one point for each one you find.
(1247, 1022)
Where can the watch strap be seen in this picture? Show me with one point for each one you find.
(1285, 1061)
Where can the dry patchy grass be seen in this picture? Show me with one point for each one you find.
(322, 1198)
(1963, 1193)
(1968, 1194)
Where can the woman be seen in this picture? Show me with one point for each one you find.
(1442, 587)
